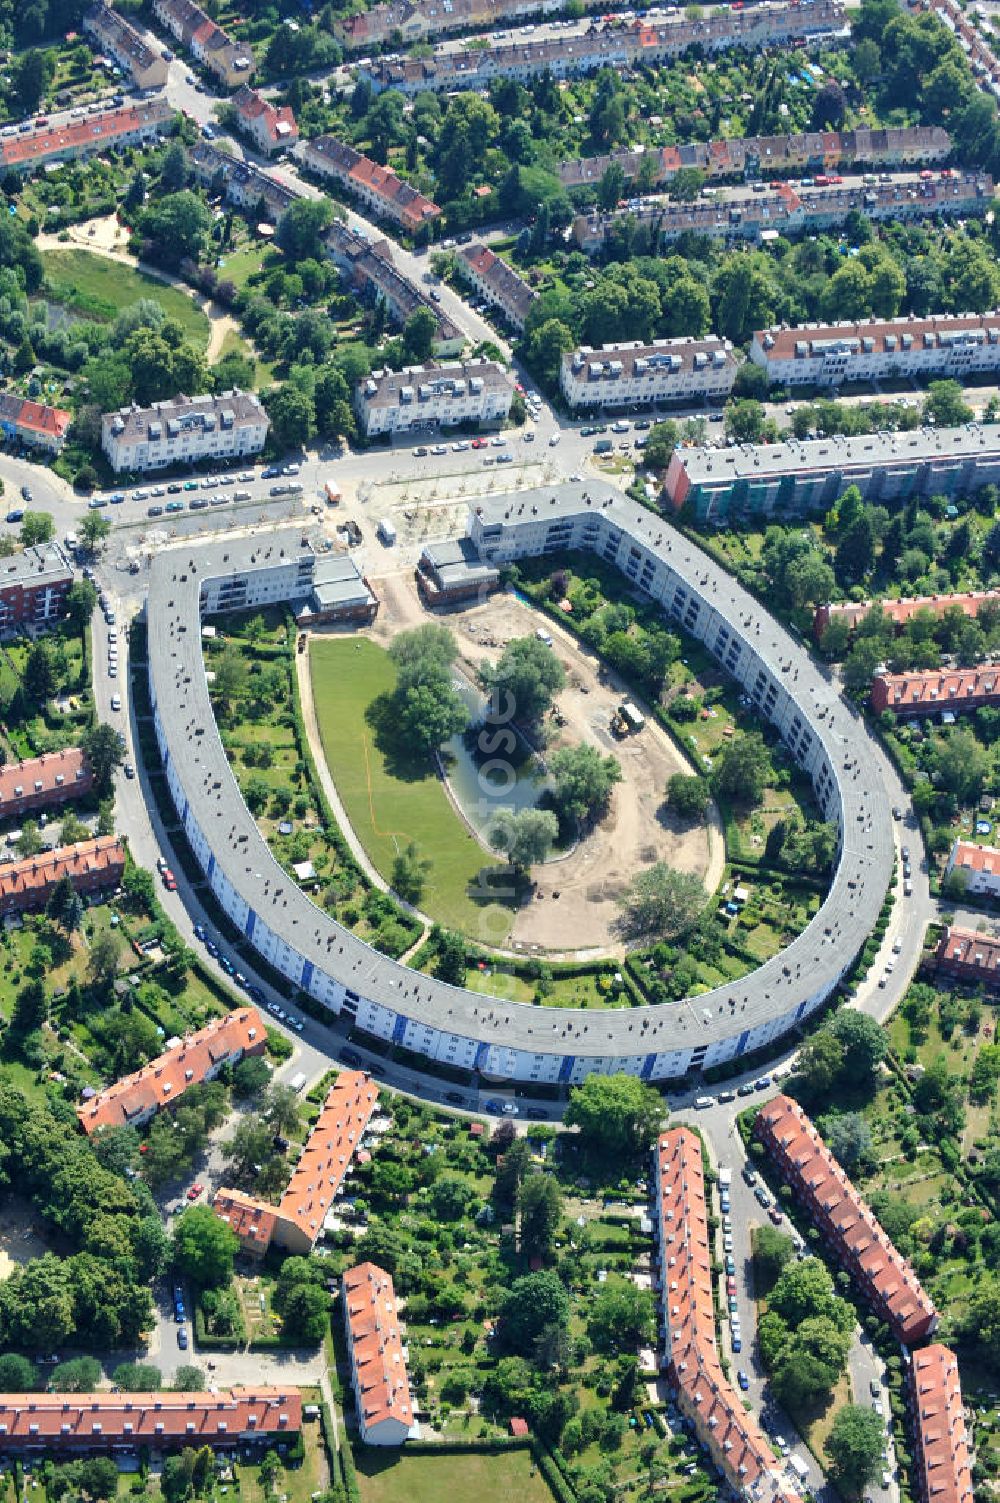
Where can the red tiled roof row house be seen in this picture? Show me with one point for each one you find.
(845, 1219)
(943, 1454)
(190, 1061)
(969, 956)
(278, 120)
(297, 1220)
(705, 1394)
(90, 865)
(378, 1359)
(77, 137)
(35, 422)
(97, 1421)
(39, 782)
(954, 689)
(901, 611)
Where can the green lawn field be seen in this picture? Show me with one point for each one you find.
(100, 288)
(389, 808)
(508, 1477)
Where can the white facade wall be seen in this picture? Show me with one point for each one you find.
(979, 883)
(838, 363)
(640, 376)
(432, 399)
(188, 446)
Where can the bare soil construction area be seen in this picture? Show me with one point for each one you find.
(574, 907)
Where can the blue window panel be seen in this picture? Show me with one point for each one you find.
(482, 1055)
(799, 1011)
(211, 866)
(566, 1068)
(648, 1066)
(307, 975)
(742, 1041)
(399, 1030)
(250, 924)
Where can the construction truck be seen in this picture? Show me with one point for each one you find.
(627, 720)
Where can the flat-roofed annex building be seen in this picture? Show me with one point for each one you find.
(86, 1422)
(496, 1038)
(90, 865)
(378, 1359)
(184, 430)
(340, 592)
(796, 479)
(200, 1056)
(43, 782)
(844, 1219)
(958, 345)
(637, 374)
(296, 1222)
(687, 1323)
(453, 570)
(432, 396)
(122, 41)
(68, 140)
(943, 1462)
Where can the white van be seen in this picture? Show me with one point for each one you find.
(298, 1081)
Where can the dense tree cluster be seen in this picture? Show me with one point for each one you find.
(806, 1333)
(98, 1295)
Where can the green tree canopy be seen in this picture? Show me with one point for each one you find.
(618, 1115)
(662, 902)
(204, 1246)
(582, 781)
(526, 837)
(533, 1303)
(854, 1447)
(525, 679)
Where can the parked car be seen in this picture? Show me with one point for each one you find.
(195, 1190)
(743, 1380)
(182, 1338)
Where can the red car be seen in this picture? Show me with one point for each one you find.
(169, 880)
(479, 443)
(195, 1191)
(775, 1215)
(730, 1286)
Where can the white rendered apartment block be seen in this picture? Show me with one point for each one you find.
(183, 431)
(956, 345)
(628, 375)
(429, 396)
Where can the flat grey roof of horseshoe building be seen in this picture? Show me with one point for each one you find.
(810, 964)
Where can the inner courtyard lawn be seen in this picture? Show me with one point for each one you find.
(100, 288)
(390, 805)
(507, 1477)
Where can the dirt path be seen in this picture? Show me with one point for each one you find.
(577, 896)
(111, 241)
